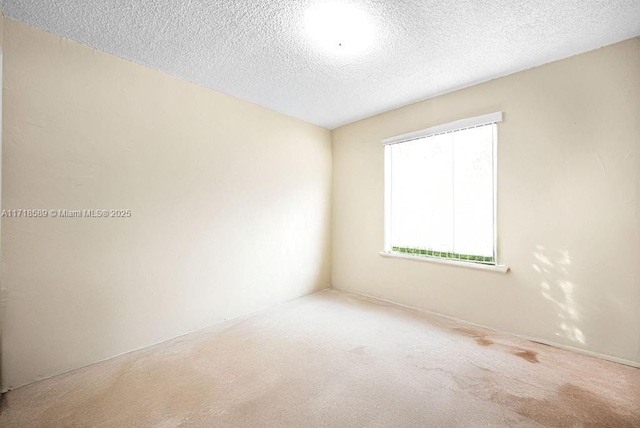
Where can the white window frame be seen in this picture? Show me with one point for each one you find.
(458, 125)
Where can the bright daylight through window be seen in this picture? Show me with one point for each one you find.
(440, 191)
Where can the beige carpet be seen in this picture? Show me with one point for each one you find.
(336, 360)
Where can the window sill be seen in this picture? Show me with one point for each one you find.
(471, 265)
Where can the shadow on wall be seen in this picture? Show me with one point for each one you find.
(553, 266)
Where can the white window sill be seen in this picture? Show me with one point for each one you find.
(471, 265)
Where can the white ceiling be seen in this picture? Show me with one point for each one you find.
(260, 50)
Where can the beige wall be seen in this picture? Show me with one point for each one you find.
(230, 206)
(568, 206)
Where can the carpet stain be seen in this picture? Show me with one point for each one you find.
(483, 341)
(571, 404)
(480, 337)
(527, 355)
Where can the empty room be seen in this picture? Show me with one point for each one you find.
(320, 213)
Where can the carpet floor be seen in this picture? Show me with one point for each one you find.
(334, 359)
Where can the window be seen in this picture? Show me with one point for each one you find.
(440, 194)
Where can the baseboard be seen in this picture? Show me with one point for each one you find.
(586, 352)
(594, 354)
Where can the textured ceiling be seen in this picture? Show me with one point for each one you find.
(260, 50)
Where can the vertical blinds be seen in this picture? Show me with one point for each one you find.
(440, 191)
